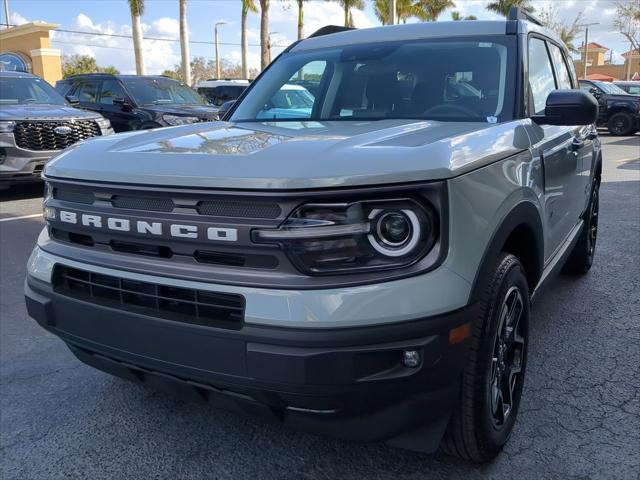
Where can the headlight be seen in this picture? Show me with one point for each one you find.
(176, 120)
(357, 236)
(7, 127)
(103, 123)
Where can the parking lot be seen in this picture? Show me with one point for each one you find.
(580, 416)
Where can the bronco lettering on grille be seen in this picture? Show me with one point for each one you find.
(149, 228)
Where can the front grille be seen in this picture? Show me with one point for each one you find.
(32, 135)
(241, 209)
(140, 203)
(186, 305)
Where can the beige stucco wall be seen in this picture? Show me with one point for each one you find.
(32, 41)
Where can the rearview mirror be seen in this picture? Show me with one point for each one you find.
(224, 109)
(568, 107)
(595, 92)
(122, 102)
(73, 100)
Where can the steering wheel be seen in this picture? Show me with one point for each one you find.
(450, 107)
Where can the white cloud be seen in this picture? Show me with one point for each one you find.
(118, 51)
(17, 19)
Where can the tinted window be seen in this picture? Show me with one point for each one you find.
(24, 91)
(64, 86)
(562, 72)
(462, 79)
(110, 90)
(221, 94)
(157, 91)
(632, 89)
(541, 81)
(586, 87)
(88, 91)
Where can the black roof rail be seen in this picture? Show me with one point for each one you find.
(328, 30)
(517, 13)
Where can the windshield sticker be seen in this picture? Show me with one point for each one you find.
(492, 119)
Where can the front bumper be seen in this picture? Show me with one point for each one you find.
(349, 383)
(20, 165)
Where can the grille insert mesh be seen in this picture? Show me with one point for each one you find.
(42, 135)
(186, 305)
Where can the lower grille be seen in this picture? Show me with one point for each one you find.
(198, 307)
(43, 135)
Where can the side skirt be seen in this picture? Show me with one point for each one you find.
(556, 263)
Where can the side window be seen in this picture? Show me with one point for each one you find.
(110, 90)
(562, 72)
(88, 92)
(541, 81)
(294, 99)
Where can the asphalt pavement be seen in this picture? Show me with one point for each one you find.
(579, 418)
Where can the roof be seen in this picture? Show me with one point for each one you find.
(634, 53)
(601, 77)
(594, 46)
(17, 74)
(418, 31)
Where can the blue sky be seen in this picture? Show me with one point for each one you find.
(160, 19)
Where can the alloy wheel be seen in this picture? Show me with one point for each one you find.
(507, 359)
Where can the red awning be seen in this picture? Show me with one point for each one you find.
(601, 77)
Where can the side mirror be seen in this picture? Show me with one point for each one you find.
(122, 103)
(73, 100)
(568, 107)
(224, 109)
(595, 92)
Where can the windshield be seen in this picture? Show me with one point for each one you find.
(610, 88)
(160, 91)
(28, 91)
(438, 79)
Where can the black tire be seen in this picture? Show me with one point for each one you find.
(581, 257)
(476, 432)
(621, 124)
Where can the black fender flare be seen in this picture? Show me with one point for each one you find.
(524, 214)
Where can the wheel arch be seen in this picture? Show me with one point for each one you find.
(521, 234)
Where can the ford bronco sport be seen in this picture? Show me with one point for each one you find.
(361, 268)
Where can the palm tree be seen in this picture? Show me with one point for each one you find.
(300, 19)
(405, 9)
(348, 5)
(137, 9)
(503, 6)
(247, 6)
(456, 17)
(184, 43)
(566, 32)
(430, 10)
(264, 33)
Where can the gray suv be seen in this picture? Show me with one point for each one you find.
(361, 266)
(36, 123)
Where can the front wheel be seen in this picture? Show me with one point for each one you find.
(494, 376)
(620, 124)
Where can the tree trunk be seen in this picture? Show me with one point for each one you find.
(300, 19)
(184, 43)
(346, 14)
(136, 28)
(264, 33)
(243, 41)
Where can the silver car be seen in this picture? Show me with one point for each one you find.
(35, 124)
(362, 267)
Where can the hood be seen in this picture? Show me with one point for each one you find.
(292, 155)
(43, 112)
(623, 98)
(205, 112)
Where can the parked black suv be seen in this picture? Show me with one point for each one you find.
(631, 87)
(619, 111)
(133, 102)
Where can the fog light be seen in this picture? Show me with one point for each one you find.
(410, 358)
(49, 213)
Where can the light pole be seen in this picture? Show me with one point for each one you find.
(215, 29)
(269, 44)
(6, 12)
(586, 44)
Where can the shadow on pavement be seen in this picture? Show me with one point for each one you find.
(22, 192)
